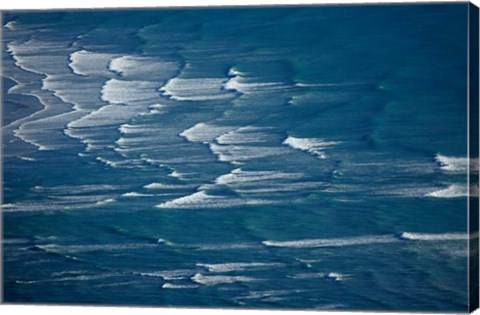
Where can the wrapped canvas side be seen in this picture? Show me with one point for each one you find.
(473, 155)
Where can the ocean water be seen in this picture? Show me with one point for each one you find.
(276, 157)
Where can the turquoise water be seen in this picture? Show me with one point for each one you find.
(296, 157)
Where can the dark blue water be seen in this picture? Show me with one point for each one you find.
(300, 157)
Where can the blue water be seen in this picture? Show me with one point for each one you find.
(296, 157)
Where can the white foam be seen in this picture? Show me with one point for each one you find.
(240, 177)
(117, 91)
(88, 63)
(77, 189)
(217, 279)
(309, 275)
(58, 202)
(170, 275)
(224, 246)
(158, 106)
(235, 153)
(233, 72)
(39, 56)
(243, 85)
(199, 200)
(228, 267)
(309, 261)
(135, 194)
(155, 186)
(86, 277)
(179, 286)
(10, 25)
(81, 277)
(456, 164)
(336, 276)
(334, 242)
(26, 158)
(135, 129)
(166, 186)
(139, 66)
(127, 128)
(105, 202)
(176, 174)
(70, 249)
(245, 135)
(452, 191)
(314, 146)
(204, 133)
(108, 162)
(433, 237)
(367, 240)
(45, 133)
(196, 89)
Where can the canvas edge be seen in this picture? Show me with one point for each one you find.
(239, 6)
(1, 163)
(473, 153)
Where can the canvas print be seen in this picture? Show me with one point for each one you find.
(278, 157)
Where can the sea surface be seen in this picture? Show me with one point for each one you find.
(270, 157)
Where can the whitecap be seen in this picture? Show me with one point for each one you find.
(336, 276)
(138, 66)
(86, 63)
(235, 153)
(116, 91)
(77, 189)
(241, 177)
(201, 200)
(217, 279)
(246, 135)
(366, 240)
(228, 267)
(167, 186)
(105, 202)
(239, 83)
(179, 286)
(433, 237)
(198, 200)
(170, 275)
(136, 194)
(70, 249)
(333, 242)
(196, 89)
(457, 164)
(224, 246)
(203, 132)
(314, 146)
(10, 25)
(176, 174)
(452, 191)
(26, 158)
